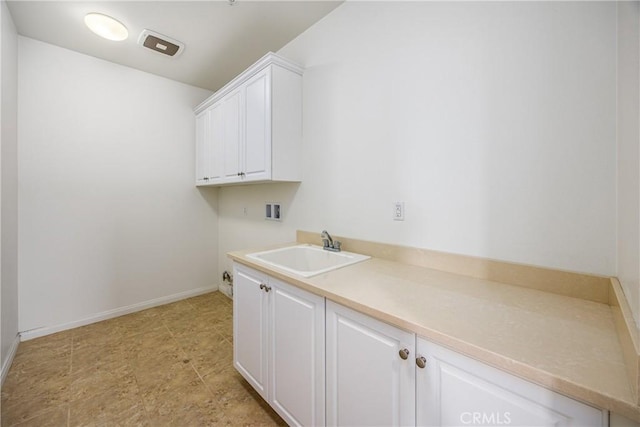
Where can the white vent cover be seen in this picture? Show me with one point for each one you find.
(160, 43)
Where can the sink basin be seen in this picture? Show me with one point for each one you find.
(307, 260)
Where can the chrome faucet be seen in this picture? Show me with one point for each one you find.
(328, 243)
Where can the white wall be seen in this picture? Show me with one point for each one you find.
(494, 122)
(239, 231)
(629, 153)
(9, 185)
(109, 214)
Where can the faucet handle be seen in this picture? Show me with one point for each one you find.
(325, 243)
(337, 244)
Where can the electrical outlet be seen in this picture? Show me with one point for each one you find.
(398, 211)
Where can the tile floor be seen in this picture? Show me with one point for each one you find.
(165, 366)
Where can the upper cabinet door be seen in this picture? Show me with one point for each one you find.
(216, 144)
(454, 390)
(257, 146)
(203, 148)
(370, 370)
(232, 136)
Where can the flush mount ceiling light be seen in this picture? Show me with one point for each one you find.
(107, 27)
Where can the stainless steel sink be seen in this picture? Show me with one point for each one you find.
(307, 260)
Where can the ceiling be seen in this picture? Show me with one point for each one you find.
(221, 40)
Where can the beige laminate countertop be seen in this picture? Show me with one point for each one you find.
(566, 344)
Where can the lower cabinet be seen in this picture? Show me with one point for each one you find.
(370, 371)
(278, 333)
(376, 374)
(455, 390)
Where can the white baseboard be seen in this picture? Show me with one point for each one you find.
(6, 364)
(110, 314)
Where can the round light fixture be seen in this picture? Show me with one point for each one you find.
(107, 27)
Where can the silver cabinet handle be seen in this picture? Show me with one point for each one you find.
(404, 354)
(265, 287)
(421, 362)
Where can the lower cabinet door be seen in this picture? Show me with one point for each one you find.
(296, 354)
(455, 390)
(370, 371)
(250, 328)
(279, 345)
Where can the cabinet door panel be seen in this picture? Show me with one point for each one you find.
(455, 390)
(367, 381)
(257, 146)
(250, 329)
(216, 137)
(232, 129)
(297, 354)
(202, 147)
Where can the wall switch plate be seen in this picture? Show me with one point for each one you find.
(273, 211)
(398, 211)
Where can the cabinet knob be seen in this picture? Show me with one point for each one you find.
(206, 178)
(421, 362)
(265, 287)
(404, 354)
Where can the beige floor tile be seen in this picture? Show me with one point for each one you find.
(208, 351)
(189, 323)
(226, 330)
(109, 357)
(214, 361)
(106, 329)
(34, 403)
(55, 417)
(167, 366)
(49, 349)
(105, 409)
(153, 351)
(210, 301)
(28, 393)
(173, 311)
(187, 405)
(113, 382)
(159, 381)
(142, 322)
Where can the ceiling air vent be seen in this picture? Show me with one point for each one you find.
(160, 43)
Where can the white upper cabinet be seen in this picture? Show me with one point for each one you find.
(256, 134)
